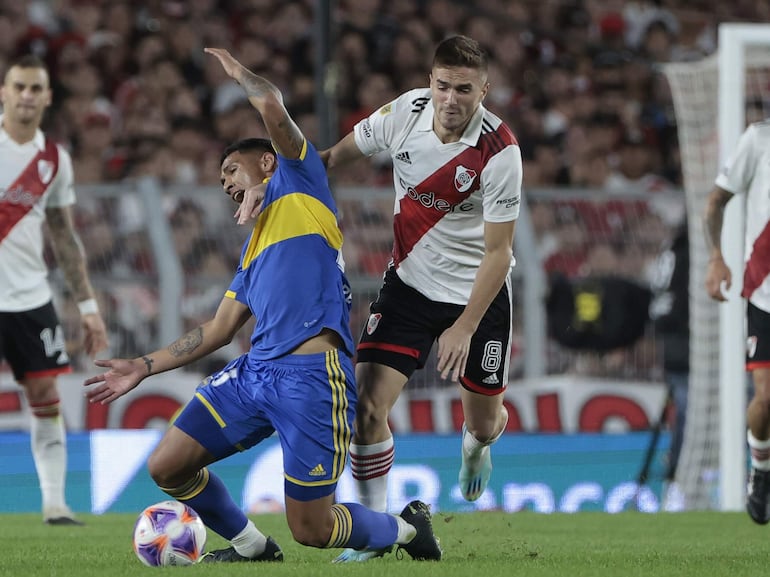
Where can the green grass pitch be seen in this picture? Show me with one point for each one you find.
(486, 544)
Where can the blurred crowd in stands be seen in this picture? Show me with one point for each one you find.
(578, 81)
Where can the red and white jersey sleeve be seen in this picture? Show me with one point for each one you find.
(747, 172)
(24, 196)
(444, 192)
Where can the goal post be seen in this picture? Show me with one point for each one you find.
(710, 100)
(733, 42)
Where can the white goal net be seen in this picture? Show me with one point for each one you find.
(714, 100)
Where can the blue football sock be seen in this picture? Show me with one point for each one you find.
(208, 496)
(357, 527)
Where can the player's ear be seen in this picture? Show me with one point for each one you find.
(268, 162)
(484, 90)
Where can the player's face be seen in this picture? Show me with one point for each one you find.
(25, 95)
(243, 170)
(457, 93)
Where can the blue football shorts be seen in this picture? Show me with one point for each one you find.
(309, 400)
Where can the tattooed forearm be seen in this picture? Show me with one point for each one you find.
(293, 141)
(148, 363)
(715, 210)
(69, 252)
(266, 97)
(187, 343)
(258, 87)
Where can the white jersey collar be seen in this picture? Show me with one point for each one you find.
(472, 132)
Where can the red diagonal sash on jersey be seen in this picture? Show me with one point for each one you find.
(24, 192)
(758, 266)
(417, 216)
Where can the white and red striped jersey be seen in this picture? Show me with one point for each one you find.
(747, 171)
(444, 192)
(33, 176)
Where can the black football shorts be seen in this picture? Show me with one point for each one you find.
(403, 325)
(758, 338)
(33, 343)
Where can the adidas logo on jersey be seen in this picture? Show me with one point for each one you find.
(404, 157)
(491, 380)
(317, 471)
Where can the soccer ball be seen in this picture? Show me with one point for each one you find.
(169, 533)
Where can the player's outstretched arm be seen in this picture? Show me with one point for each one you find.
(124, 375)
(265, 96)
(344, 152)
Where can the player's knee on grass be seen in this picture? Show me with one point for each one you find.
(312, 532)
(308, 513)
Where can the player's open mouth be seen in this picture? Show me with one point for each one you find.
(237, 196)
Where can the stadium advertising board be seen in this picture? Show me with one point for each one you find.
(553, 404)
(543, 473)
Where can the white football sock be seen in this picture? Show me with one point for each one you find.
(370, 465)
(472, 447)
(760, 453)
(49, 451)
(406, 532)
(250, 542)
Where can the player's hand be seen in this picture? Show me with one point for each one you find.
(251, 205)
(233, 68)
(454, 344)
(123, 375)
(718, 273)
(95, 338)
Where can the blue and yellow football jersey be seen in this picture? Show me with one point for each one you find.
(290, 274)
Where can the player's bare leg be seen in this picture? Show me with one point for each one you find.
(372, 451)
(758, 417)
(485, 420)
(178, 466)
